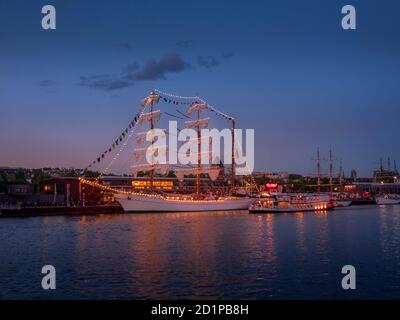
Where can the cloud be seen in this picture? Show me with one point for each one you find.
(153, 69)
(104, 82)
(207, 62)
(184, 44)
(131, 73)
(46, 83)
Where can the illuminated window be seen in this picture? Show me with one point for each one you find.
(165, 185)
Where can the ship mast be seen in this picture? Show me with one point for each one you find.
(233, 155)
(330, 171)
(341, 175)
(198, 155)
(152, 158)
(318, 172)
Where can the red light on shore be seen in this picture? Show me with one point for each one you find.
(271, 185)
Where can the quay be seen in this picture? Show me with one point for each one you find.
(57, 211)
(361, 202)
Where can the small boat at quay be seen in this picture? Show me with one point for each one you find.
(338, 199)
(388, 199)
(341, 200)
(341, 203)
(292, 203)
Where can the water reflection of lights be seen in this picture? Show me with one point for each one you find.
(299, 215)
(389, 230)
(322, 243)
(270, 243)
(300, 233)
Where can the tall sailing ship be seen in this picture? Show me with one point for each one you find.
(153, 200)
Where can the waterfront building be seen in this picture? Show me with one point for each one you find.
(71, 191)
(386, 175)
(272, 175)
(373, 188)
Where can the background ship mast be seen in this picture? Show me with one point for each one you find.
(152, 158)
(326, 181)
(318, 172)
(330, 171)
(341, 175)
(233, 156)
(198, 155)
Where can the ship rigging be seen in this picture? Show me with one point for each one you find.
(152, 200)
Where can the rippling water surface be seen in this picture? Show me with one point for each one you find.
(225, 255)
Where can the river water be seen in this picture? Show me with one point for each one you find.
(213, 255)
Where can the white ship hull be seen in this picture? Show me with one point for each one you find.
(155, 203)
(385, 200)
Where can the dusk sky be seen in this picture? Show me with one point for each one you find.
(285, 68)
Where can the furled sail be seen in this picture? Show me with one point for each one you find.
(203, 138)
(163, 168)
(155, 151)
(202, 123)
(150, 100)
(139, 153)
(154, 115)
(196, 107)
(159, 151)
(212, 171)
(180, 175)
(140, 137)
